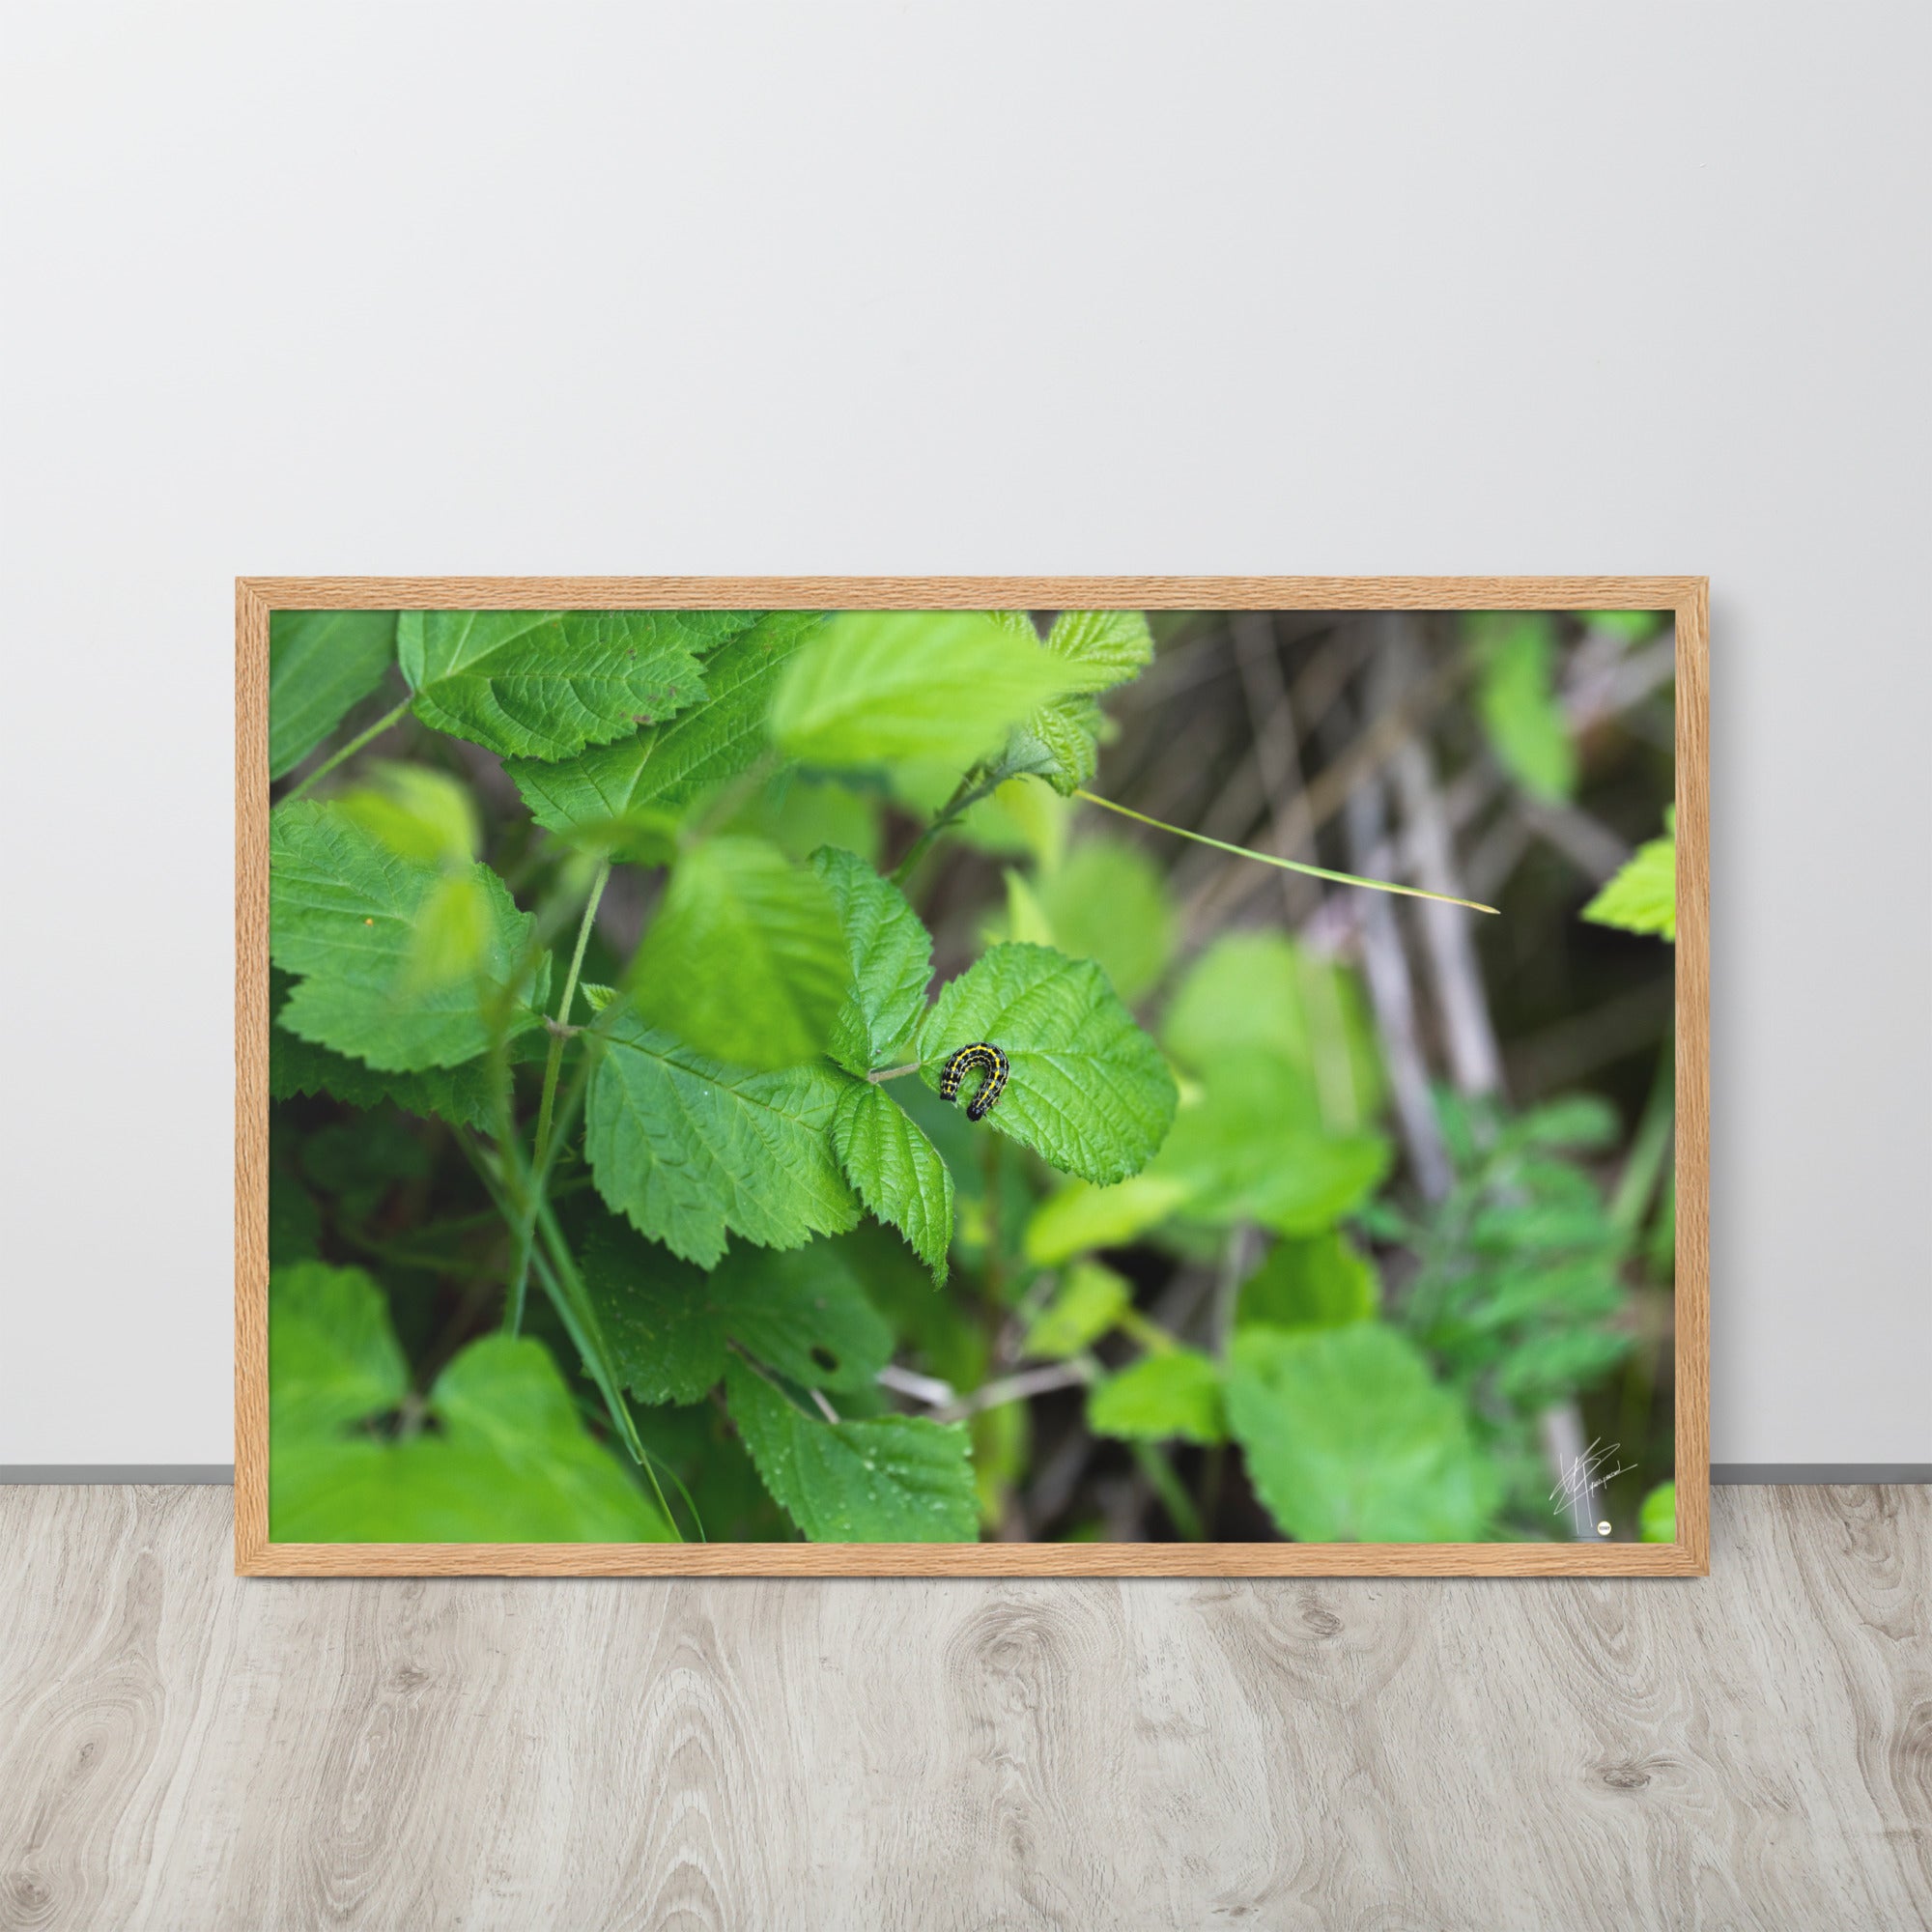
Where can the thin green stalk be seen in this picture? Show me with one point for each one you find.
(697, 1519)
(348, 751)
(879, 1073)
(594, 1411)
(649, 1466)
(1286, 864)
(1649, 1148)
(580, 1317)
(555, 1064)
(1151, 1335)
(557, 1271)
(971, 789)
(1213, 1467)
(510, 1156)
(993, 1273)
(537, 1193)
(1167, 1486)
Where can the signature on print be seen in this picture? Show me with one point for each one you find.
(1583, 1477)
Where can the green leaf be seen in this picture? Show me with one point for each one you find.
(510, 1462)
(1087, 1091)
(1349, 1440)
(1319, 1283)
(890, 955)
(1289, 1081)
(1101, 648)
(1243, 1147)
(940, 1333)
(544, 684)
(453, 930)
(802, 1310)
(1244, 1150)
(1059, 743)
(1014, 820)
(1176, 1392)
(460, 1094)
(1098, 649)
(295, 1222)
(1642, 898)
(896, 1170)
(1515, 654)
(1543, 1369)
(667, 764)
(1576, 1121)
(1109, 903)
(1631, 625)
(877, 686)
(417, 812)
(321, 664)
(800, 811)
(1260, 993)
(332, 1358)
(350, 914)
(297, 1065)
(1657, 1523)
(745, 960)
(1079, 1216)
(1026, 918)
(689, 1148)
(893, 1479)
(360, 1161)
(1089, 1302)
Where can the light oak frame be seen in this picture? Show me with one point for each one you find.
(255, 1555)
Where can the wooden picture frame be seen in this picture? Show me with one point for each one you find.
(1685, 597)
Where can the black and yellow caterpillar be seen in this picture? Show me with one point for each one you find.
(979, 1054)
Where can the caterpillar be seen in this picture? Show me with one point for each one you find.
(982, 1055)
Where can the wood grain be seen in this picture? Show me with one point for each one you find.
(1685, 597)
(251, 1076)
(180, 1749)
(974, 593)
(1692, 1299)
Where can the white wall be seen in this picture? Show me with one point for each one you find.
(977, 287)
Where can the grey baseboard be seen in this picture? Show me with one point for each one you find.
(160, 1473)
(1778, 1473)
(163, 1473)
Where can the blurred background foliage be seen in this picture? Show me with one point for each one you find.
(1311, 1212)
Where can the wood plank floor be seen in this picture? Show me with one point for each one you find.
(179, 1750)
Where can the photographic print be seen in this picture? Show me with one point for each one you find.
(1049, 1075)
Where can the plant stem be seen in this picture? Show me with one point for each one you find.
(556, 1270)
(555, 1064)
(512, 1198)
(1151, 1335)
(1650, 1148)
(971, 789)
(572, 1304)
(879, 1073)
(993, 1273)
(1167, 1486)
(348, 751)
(1021, 1388)
(1269, 858)
(537, 1194)
(544, 1152)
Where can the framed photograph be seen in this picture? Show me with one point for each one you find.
(1170, 1076)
